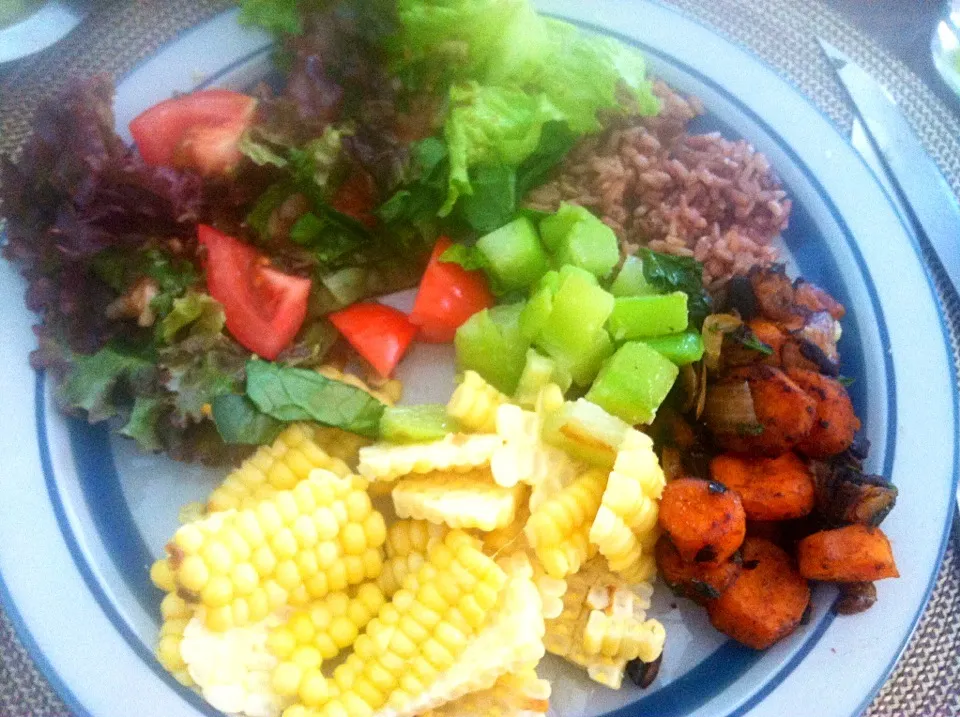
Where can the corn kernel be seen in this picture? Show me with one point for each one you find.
(264, 561)
(189, 538)
(326, 522)
(327, 647)
(276, 595)
(307, 657)
(193, 574)
(286, 679)
(259, 605)
(281, 642)
(217, 592)
(299, 596)
(352, 539)
(327, 554)
(220, 619)
(162, 576)
(343, 632)
(302, 628)
(313, 689)
(305, 531)
(269, 518)
(173, 606)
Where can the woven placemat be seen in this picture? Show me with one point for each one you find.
(926, 681)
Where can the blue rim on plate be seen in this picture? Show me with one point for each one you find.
(98, 483)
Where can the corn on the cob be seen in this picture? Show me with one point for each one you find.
(405, 537)
(407, 544)
(524, 457)
(176, 614)
(279, 466)
(232, 669)
(603, 645)
(317, 633)
(459, 500)
(298, 545)
(417, 636)
(474, 403)
(456, 452)
(520, 695)
(558, 529)
(511, 641)
(510, 538)
(627, 517)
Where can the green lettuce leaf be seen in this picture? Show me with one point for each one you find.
(144, 423)
(492, 125)
(281, 17)
(198, 369)
(584, 73)
(196, 313)
(95, 380)
(296, 394)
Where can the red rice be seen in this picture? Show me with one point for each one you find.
(703, 196)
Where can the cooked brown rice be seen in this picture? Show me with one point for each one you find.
(692, 195)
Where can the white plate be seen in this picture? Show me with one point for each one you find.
(84, 514)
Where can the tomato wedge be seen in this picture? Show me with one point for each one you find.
(264, 307)
(201, 130)
(448, 296)
(381, 334)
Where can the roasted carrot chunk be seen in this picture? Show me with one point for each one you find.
(767, 600)
(852, 554)
(704, 520)
(769, 488)
(784, 412)
(772, 335)
(698, 581)
(835, 423)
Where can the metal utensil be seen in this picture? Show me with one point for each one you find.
(885, 139)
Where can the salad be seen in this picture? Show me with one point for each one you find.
(642, 390)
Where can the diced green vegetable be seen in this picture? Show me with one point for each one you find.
(347, 285)
(633, 383)
(296, 394)
(678, 273)
(491, 343)
(555, 227)
(680, 348)
(536, 312)
(514, 255)
(580, 310)
(537, 373)
(639, 317)
(589, 244)
(586, 431)
(416, 424)
(585, 369)
(630, 280)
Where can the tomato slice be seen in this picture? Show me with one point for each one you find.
(448, 296)
(201, 130)
(381, 334)
(264, 307)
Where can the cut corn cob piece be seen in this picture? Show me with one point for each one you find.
(474, 403)
(407, 544)
(603, 645)
(176, 614)
(510, 538)
(459, 500)
(524, 457)
(232, 669)
(558, 529)
(298, 545)
(627, 518)
(387, 394)
(405, 537)
(319, 632)
(417, 636)
(511, 641)
(519, 695)
(456, 452)
(279, 466)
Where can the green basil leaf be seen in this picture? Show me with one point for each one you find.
(239, 421)
(295, 394)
